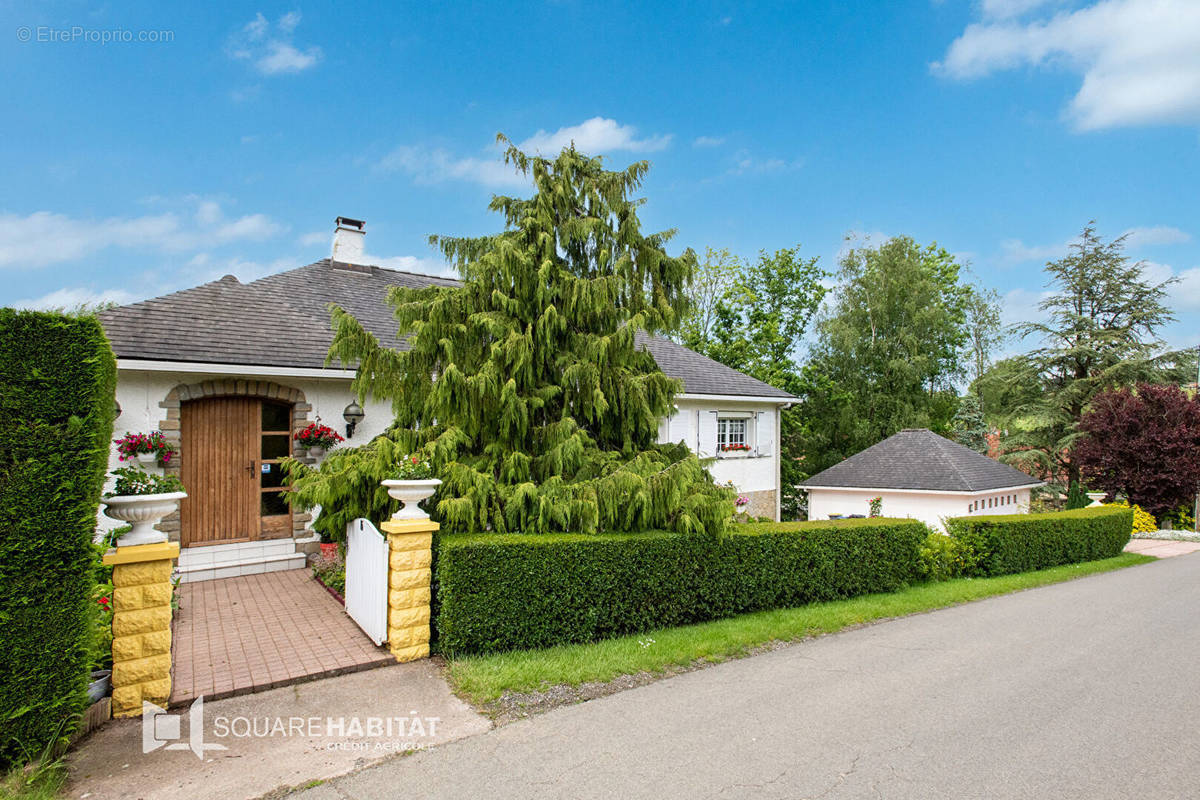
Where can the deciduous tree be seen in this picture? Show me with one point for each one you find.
(889, 351)
(1144, 443)
(753, 317)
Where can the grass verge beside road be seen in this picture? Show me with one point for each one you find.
(484, 679)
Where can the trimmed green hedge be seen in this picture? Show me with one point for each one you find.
(501, 592)
(57, 377)
(1008, 543)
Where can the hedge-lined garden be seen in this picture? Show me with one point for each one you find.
(57, 376)
(515, 591)
(1008, 543)
(505, 592)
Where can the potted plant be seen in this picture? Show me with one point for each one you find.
(736, 450)
(740, 504)
(142, 499)
(148, 449)
(100, 684)
(413, 483)
(317, 438)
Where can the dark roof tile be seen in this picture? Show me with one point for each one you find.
(283, 320)
(917, 458)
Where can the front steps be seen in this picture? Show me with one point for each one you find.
(243, 558)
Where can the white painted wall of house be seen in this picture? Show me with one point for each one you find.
(929, 507)
(695, 424)
(140, 391)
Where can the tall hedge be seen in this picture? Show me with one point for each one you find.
(57, 378)
(500, 592)
(1008, 543)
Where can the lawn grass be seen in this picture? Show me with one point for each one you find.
(484, 678)
(37, 782)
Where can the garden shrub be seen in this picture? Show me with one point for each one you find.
(1143, 521)
(499, 592)
(1008, 543)
(57, 377)
(944, 558)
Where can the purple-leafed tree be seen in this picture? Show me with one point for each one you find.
(1145, 443)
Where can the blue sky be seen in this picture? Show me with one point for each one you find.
(997, 128)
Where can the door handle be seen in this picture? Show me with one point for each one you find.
(250, 468)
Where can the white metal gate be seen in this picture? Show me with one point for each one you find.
(367, 578)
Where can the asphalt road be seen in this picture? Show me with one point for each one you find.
(1084, 689)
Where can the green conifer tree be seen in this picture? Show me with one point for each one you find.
(525, 385)
(969, 428)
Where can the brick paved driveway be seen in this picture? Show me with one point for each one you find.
(256, 632)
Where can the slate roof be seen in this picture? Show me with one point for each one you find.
(917, 458)
(281, 321)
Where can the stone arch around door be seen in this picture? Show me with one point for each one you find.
(171, 428)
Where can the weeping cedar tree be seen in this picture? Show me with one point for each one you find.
(524, 385)
(1143, 443)
(1099, 333)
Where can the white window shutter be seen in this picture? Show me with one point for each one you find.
(707, 434)
(764, 426)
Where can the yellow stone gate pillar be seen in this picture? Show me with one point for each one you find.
(141, 647)
(410, 558)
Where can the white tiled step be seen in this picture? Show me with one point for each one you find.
(244, 558)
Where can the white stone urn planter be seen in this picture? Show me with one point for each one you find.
(410, 493)
(143, 511)
(316, 452)
(1097, 498)
(149, 459)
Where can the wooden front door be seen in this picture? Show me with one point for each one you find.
(230, 468)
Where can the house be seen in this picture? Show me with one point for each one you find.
(229, 371)
(917, 473)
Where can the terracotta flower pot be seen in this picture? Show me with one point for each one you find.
(329, 549)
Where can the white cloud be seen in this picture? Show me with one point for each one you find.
(315, 238)
(1140, 59)
(1015, 251)
(1006, 9)
(746, 163)
(594, 136)
(75, 297)
(270, 49)
(43, 237)
(428, 166)
(282, 57)
(708, 141)
(1184, 294)
(1021, 305)
(1155, 235)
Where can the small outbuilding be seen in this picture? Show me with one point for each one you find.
(918, 474)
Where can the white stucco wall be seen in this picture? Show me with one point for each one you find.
(929, 507)
(695, 424)
(139, 392)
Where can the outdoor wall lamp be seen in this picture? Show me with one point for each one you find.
(353, 414)
(116, 409)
